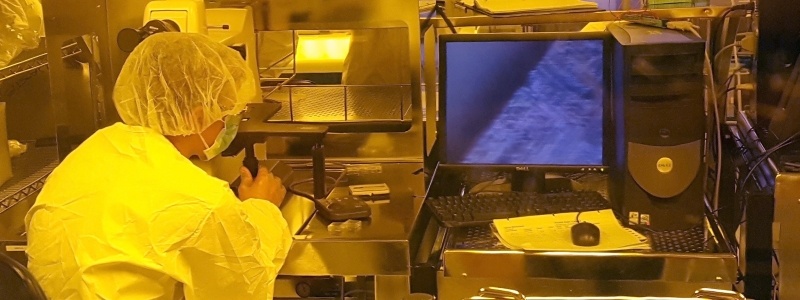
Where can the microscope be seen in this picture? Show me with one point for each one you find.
(235, 28)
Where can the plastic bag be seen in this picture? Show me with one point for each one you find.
(21, 26)
(15, 148)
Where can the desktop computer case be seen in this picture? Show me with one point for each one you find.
(659, 125)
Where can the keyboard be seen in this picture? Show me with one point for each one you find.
(481, 209)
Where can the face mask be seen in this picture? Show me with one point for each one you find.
(224, 138)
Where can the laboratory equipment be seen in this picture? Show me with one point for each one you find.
(343, 208)
(556, 74)
(254, 129)
(376, 190)
(481, 209)
(530, 103)
(660, 125)
(233, 27)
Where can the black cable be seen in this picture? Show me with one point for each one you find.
(291, 187)
(747, 6)
(792, 139)
(299, 193)
(728, 90)
(733, 74)
(426, 23)
(437, 8)
(775, 256)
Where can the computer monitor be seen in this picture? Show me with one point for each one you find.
(531, 102)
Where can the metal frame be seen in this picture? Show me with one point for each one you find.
(288, 15)
(33, 181)
(36, 62)
(32, 171)
(23, 193)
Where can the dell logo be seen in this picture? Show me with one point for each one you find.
(664, 165)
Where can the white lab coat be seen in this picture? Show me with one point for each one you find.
(125, 216)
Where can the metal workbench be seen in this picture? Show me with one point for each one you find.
(380, 249)
(679, 263)
(468, 268)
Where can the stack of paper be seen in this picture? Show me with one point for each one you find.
(501, 7)
(552, 233)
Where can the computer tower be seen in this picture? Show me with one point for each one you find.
(657, 168)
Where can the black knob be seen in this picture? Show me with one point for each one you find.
(129, 38)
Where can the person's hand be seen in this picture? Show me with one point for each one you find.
(265, 186)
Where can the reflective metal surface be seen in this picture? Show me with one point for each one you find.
(704, 293)
(465, 288)
(81, 91)
(581, 274)
(382, 245)
(391, 287)
(323, 15)
(473, 258)
(462, 17)
(339, 14)
(784, 232)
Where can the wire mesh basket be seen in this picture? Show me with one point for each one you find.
(341, 103)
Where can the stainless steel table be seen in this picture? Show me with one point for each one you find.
(381, 248)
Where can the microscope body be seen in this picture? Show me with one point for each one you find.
(233, 27)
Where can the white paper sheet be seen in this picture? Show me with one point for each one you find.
(552, 232)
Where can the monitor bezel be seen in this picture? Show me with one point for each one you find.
(441, 132)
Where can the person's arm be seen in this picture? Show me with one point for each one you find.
(237, 251)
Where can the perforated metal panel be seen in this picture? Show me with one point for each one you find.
(681, 241)
(342, 103)
(378, 103)
(479, 237)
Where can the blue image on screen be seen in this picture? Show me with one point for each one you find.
(524, 102)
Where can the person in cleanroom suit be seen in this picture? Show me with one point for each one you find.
(128, 216)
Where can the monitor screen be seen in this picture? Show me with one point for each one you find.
(523, 99)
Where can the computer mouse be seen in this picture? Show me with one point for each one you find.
(585, 234)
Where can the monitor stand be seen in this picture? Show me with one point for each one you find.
(531, 181)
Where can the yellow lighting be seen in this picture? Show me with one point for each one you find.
(323, 47)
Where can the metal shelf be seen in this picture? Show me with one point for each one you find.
(30, 172)
(35, 62)
(459, 17)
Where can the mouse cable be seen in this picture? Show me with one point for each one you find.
(291, 187)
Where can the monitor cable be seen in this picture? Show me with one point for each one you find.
(438, 9)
